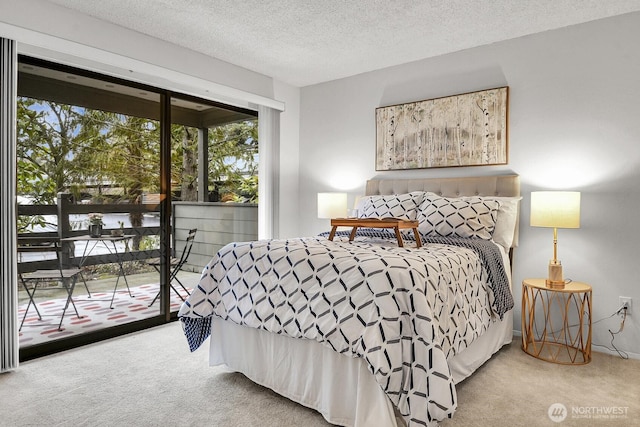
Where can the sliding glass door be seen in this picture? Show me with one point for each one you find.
(138, 187)
(88, 180)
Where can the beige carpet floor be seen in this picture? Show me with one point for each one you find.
(150, 379)
(514, 389)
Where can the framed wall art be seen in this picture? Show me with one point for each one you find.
(469, 129)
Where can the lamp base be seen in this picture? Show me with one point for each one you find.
(554, 284)
(555, 279)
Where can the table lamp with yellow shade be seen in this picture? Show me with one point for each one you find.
(555, 209)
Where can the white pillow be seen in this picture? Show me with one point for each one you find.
(507, 219)
(458, 217)
(402, 206)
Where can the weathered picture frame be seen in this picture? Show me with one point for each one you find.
(469, 129)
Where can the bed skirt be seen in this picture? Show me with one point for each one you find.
(315, 376)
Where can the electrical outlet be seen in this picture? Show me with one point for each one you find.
(625, 301)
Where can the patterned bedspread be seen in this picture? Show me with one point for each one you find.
(403, 310)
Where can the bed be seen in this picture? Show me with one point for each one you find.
(314, 353)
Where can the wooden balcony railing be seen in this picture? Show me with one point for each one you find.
(66, 207)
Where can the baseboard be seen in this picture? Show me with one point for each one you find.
(606, 350)
(598, 349)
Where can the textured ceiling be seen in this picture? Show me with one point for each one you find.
(303, 42)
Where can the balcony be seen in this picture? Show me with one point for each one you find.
(109, 300)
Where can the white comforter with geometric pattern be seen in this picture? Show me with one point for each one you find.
(403, 310)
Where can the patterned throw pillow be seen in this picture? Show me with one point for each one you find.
(402, 206)
(468, 217)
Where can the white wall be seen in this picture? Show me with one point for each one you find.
(574, 123)
(289, 153)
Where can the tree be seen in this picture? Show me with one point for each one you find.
(115, 158)
(46, 143)
(233, 161)
(125, 153)
(184, 160)
(68, 148)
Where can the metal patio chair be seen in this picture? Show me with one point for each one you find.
(176, 265)
(32, 279)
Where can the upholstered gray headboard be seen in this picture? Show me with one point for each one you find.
(495, 185)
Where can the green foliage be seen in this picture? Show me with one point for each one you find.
(39, 151)
(66, 148)
(114, 158)
(233, 161)
(248, 190)
(150, 242)
(44, 134)
(124, 153)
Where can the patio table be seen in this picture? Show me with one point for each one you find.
(106, 240)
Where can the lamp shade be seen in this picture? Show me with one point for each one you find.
(557, 209)
(332, 205)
